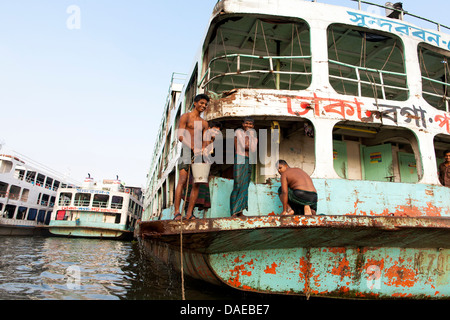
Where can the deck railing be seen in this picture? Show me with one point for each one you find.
(207, 79)
(381, 74)
(443, 97)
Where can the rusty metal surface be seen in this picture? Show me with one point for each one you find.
(324, 256)
(270, 232)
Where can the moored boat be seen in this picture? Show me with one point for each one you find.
(107, 210)
(360, 102)
(27, 195)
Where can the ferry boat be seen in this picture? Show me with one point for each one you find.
(358, 100)
(27, 195)
(107, 210)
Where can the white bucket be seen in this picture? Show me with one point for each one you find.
(200, 172)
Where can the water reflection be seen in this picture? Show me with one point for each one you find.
(86, 269)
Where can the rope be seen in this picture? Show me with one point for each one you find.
(183, 296)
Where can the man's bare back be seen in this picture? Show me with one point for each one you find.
(297, 179)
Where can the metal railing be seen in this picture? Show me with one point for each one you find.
(99, 204)
(207, 79)
(358, 80)
(443, 97)
(81, 203)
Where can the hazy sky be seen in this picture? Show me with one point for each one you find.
(83, 83)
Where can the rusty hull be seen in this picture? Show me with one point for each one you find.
(329, 256)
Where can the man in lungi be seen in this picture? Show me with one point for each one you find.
(245, 143)
(190, 134)
(203, 201)
(444, 170)
(297, 192)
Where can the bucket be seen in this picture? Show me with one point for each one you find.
(200, 172)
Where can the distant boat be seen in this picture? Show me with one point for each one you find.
(360, 101)
(107, 210)
(27, 196)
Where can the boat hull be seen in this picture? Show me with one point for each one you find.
(323, 256)
(90, 232)
(13, 230)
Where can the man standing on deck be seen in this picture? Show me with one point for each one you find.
(444, 170)
(190, 134)
(297, 192)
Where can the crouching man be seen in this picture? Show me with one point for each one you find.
(297, 192)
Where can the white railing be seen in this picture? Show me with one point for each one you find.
(207, 79)
(358, 80)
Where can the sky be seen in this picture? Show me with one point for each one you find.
(83, 83)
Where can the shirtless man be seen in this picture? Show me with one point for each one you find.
(190, 134)
(297, 191)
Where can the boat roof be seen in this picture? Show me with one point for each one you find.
(318, 11)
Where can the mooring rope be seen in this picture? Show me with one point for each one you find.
(183, 297)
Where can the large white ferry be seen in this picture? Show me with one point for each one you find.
(358, 100)
(27, 195)
(107, 210)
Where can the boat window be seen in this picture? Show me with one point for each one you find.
(3, 189)
(31, 175)
(259, 53)
(65, 198)
(366, 64)
(375, 152)
(100, 201)
(19, 173)
(21, 213)
(52, 201)
(82, 199)
(10, 210)
(441, 146)
(32, 213)
(40, 180)
(41, 216)
(49, 183)
(56, 185)
(14, 192)
(434, 65)
(45, 200)
(191, 92)
(25, 194)
(116, 202)
(5, 166)
(48, 218)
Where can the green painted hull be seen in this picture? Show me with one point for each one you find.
(323, 256)
(90, 232)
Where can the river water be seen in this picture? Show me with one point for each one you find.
(51, 268)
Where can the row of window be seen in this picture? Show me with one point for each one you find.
(24, 213)
(13, 192)
(33, 177)
(97, 201)
(251, 52)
